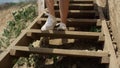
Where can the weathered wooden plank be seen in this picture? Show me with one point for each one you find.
(108, 42)
(63, 52)
(104, 60)
(101, 38)
(113, 63)
(76, 20)
(90, 14)
(65, 34)
(79, 14)
(78, 6)
(79, 11)
(59, 41)
(81, 5)
(72, 22)
(81, 1)
(99, 22)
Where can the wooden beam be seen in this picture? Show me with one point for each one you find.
(81, 5)
(63, 52)
(108, 42)
(113, 63)
(79, 11)
(59, 41)
(79, 14)
(81, 1)
(101, 37)
(77, 5)
(72, 22)
(99, 22)
(75, 20)
(90, 14)
(65, 34)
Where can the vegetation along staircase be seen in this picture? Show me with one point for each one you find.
(87, 38)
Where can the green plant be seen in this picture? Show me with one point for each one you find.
(22, 18)
(25, 14)
(14, 27)
(21, 61)
(4, 42)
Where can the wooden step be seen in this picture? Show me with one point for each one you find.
(81, 1)
(78, 14)
(78, 7)
(72, 22)
(24, 51)
(80, 11)
(83, 14)
(63, 34)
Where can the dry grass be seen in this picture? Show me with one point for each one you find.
(6, 15)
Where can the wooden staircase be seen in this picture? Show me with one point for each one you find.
(84, 16)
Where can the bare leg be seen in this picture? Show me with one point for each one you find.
(64, 5)
(50, 6)
(51, 21)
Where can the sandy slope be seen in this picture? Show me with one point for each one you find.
(6, 15)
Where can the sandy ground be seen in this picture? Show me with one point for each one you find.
(5, 16)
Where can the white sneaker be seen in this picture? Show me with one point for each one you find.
(61, 26)
(50, 23)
